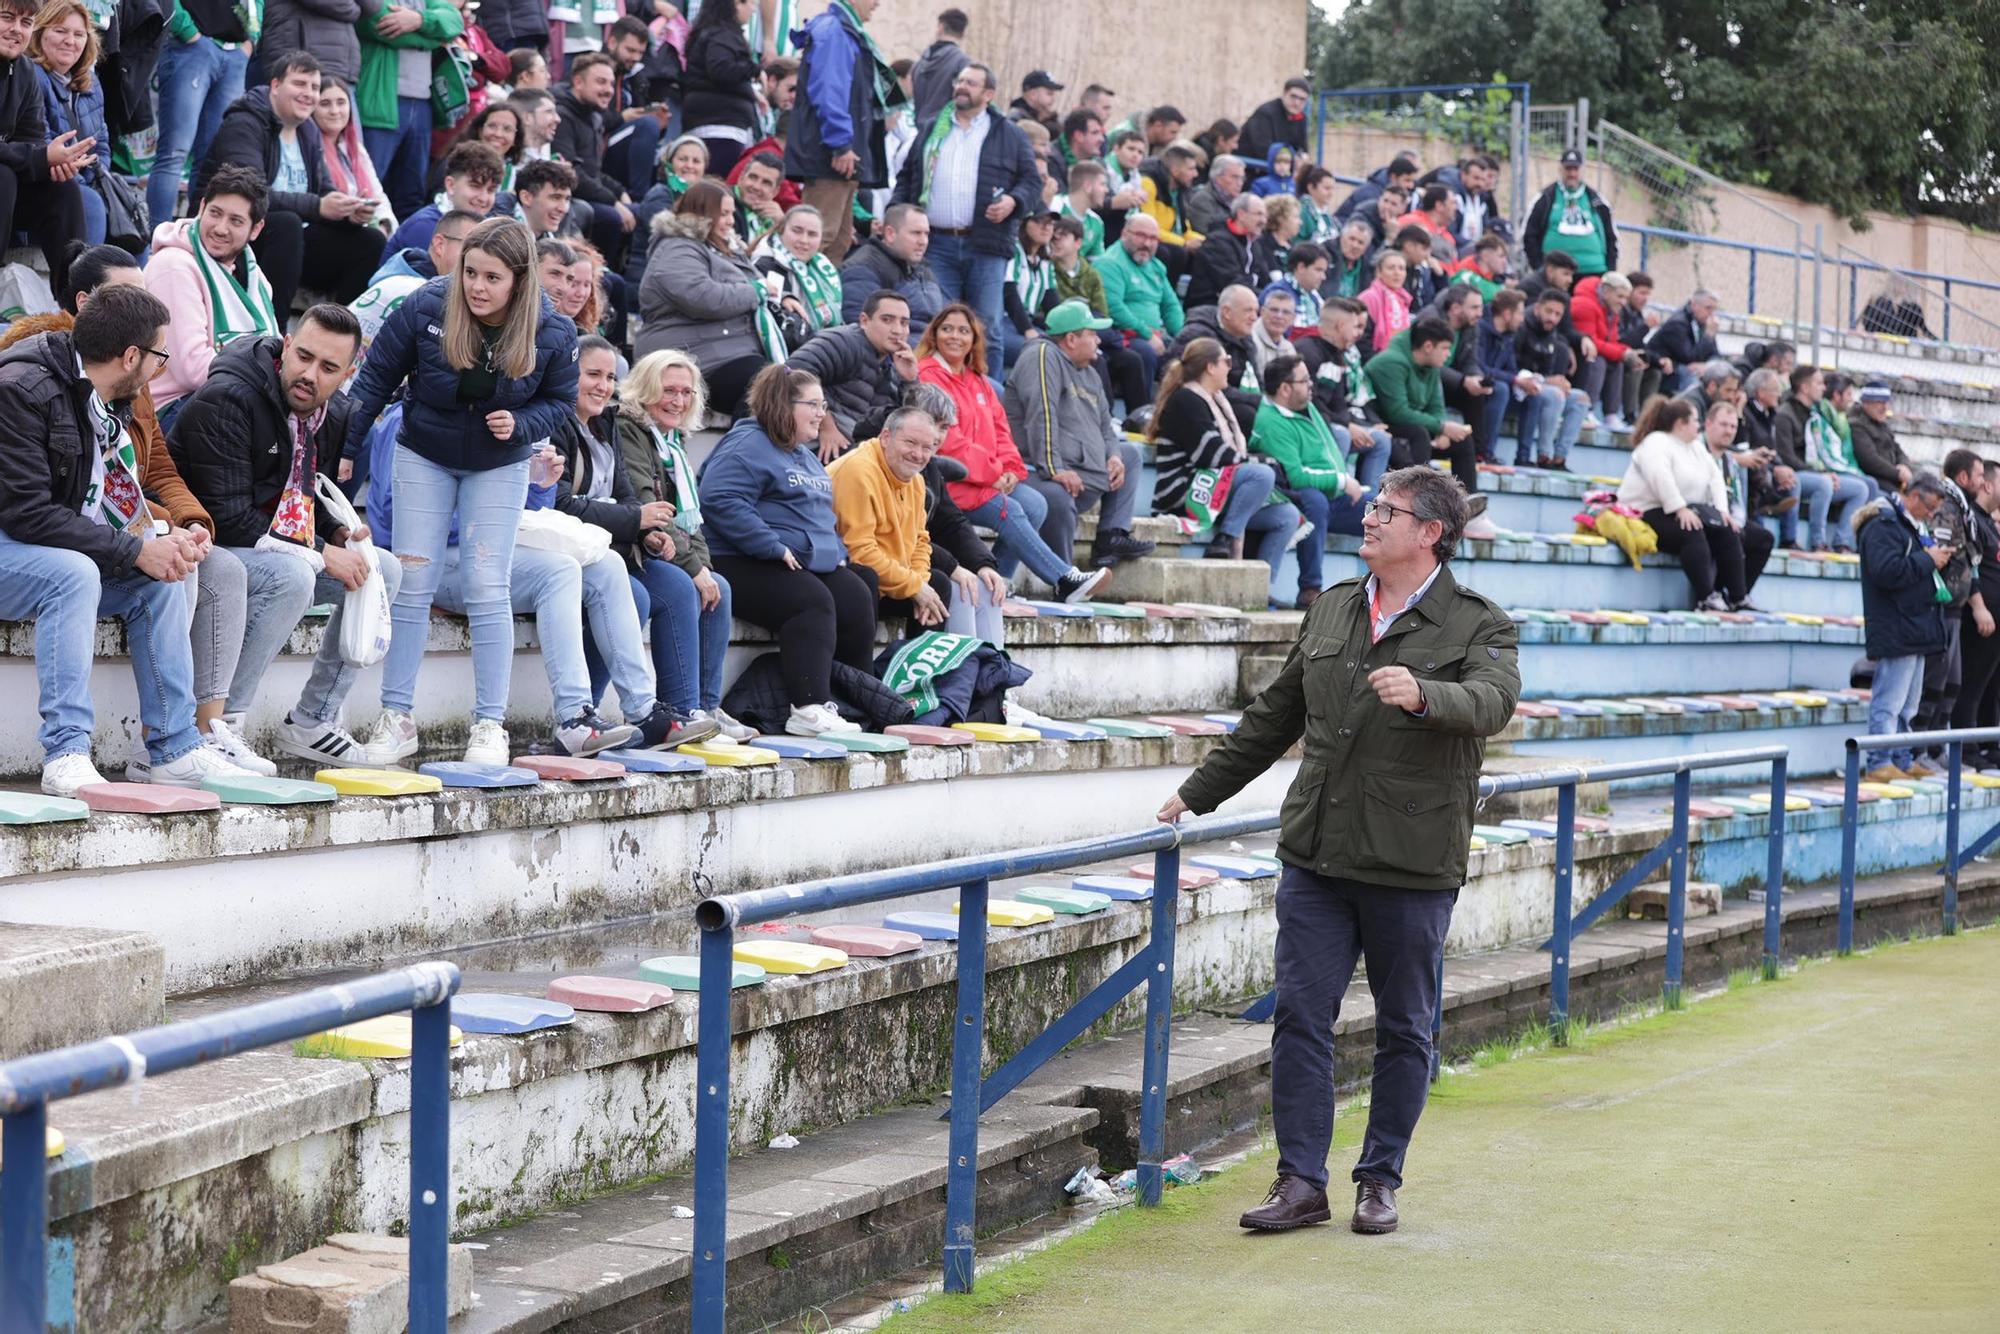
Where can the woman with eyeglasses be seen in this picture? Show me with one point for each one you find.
(767, 510)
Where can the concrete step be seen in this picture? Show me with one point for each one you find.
(1817, 737)
(65, 984)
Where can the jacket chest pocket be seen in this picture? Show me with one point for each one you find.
(1324, 671)
(65, 449)
(1432, 662)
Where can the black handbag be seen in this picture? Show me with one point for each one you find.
(124, 211)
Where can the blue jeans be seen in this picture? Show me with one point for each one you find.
(1327, 512)
(94, 221)
(1370, 463)
(979, 618)
(1892, 702)
(1551, 421)
(277, 590)
(1819, 492)
(1018, 520)
(63, 592)
(403, 155)
(688, 644)
(196, 81)
(980, 281)
(488, 506)
(1265, 529)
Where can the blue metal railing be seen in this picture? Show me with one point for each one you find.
(1946, 280)
(1955, 858)
(971, 1095)
(1648, 234)
(29, 1084)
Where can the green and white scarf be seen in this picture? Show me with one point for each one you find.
(768, 332)
(115, 497)
(1032, 279)
(888, 92)
(922, 660)
(819, 288)
(234, 311)
(687, 501)
(1314, 225)
(933, 145)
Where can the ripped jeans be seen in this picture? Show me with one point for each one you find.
(488, 506)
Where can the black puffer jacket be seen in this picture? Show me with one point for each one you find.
(45, 445)
(860, 383)
(717, 86)
(954, 541)
(579, 141)
(249, 138)
(232, 442)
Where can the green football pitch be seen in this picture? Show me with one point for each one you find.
(1816, 1153)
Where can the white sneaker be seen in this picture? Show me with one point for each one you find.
(1481, 529)
(727, 726)
(393, 738)
(327, 744)
(817, 719)
(139, 767)
(190, 769)
(63, 775)
(225, 741)
(487, 744)
(1019, 715)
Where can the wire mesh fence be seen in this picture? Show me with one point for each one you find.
(1876, 298)
(1763, 267)
(1551, 129)
(1437, 124)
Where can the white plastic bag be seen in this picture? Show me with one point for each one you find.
(552, 530)
(24, 292)
(364, 616)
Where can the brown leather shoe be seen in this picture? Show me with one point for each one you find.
(1374, 1206)
(1293, 1202)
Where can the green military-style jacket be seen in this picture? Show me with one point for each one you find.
(1382, 795)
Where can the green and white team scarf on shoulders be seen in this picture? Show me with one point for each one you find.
(687, 501)
(234, 311)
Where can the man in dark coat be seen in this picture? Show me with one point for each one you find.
(1394, 684)
(1282, 120)
(1903, 617)
(1685, 339)
(837, 143)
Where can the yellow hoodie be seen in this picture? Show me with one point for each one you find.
(881, 519)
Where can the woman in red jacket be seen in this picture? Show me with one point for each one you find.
(1594, 310)
(952, 356)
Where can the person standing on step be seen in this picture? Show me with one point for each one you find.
(1395, 682)
(1903, 599)
(491, 370)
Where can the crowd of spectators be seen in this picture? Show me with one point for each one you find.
(493, 270)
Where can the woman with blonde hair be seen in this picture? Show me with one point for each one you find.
(490, 366)
(64, 46)
(687, 601)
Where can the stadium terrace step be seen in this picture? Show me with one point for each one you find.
(65, 984)
(290, 889)
(1084, 665)
(1817, 735)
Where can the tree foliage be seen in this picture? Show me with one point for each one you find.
(1892, 104)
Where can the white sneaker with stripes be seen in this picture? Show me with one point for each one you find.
(324, 743)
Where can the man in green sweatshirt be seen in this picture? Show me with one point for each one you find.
(1409, 393)
(1312, 465)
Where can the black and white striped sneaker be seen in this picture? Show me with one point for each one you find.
(326, 743)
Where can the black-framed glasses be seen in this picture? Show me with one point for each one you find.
(155, 352)
(1373, 507)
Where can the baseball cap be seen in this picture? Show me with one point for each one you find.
(1040, 78)
(1073, 315)
(1572, 158)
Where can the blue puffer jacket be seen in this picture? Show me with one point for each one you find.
(436, 425)
(63, 111)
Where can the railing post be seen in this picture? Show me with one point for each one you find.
(1159, 1022)
(1645, 244)
(1819, 262)
(1559, 944)
(710, 1294)
(1850, 818)
(968, 1038)
(24, 1221)
(1954, 769)
(1677, 886)
(1774, 872)
(430, 1163)
(1944, 332)
(1753, 282)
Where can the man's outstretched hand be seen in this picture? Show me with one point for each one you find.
(1172, 810)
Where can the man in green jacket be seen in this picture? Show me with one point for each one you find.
(1141, 296)
(1395, 682)
(1409, 393)
(392, 98)
(1312, 465)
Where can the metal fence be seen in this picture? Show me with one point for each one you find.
(29, 1084)
(1912, 303)
(1683, 202)
(1955, 857)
